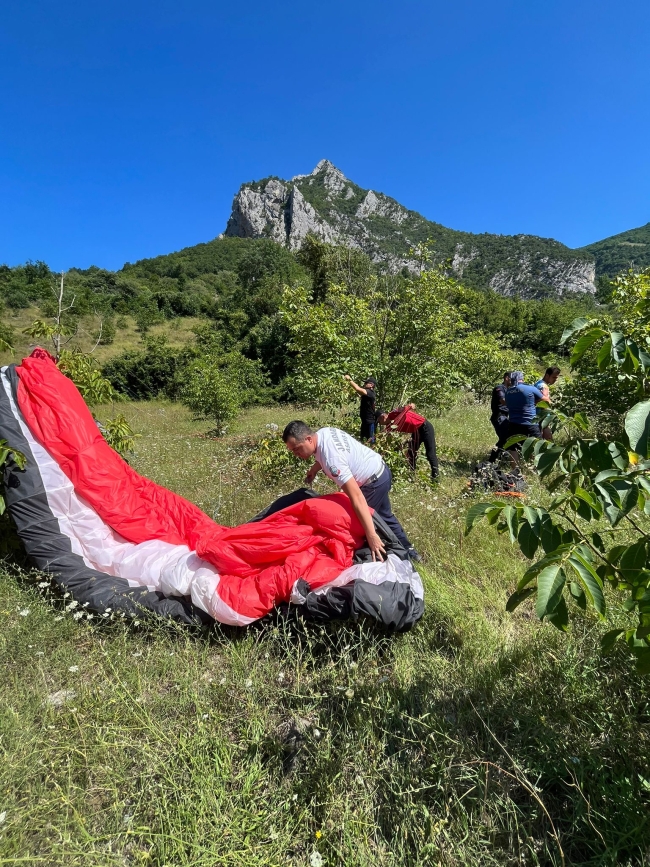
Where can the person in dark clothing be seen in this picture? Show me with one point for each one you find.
(406, 420)
(366, 406)
(499, 414)
(521, 400)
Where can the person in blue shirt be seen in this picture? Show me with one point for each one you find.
(521, 400)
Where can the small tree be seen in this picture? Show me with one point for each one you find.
(219, 385)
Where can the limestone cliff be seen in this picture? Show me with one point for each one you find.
(335, 209)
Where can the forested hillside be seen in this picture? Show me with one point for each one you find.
(234, 286)
(629, 249)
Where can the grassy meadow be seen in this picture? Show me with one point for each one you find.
(478, 738)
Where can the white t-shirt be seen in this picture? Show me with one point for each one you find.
(343, 458)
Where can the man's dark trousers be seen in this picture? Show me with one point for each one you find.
(368, 431)
(376, 495)
(425, 436)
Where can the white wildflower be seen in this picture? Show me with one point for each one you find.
(349, 693)
(316, 859)
(248, 683)
(222, 681)
(73, 668)
(77, 615)
(72, 605)
(281, 676)
(24, 612)
(60, 617)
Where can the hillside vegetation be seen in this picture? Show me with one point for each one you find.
(629, 249)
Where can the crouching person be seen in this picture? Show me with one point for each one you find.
(406, 420)
(359, 471)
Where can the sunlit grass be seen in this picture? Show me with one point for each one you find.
(472, 740)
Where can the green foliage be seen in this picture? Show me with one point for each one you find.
(157, 370)
(271, 462)
(629, 250)
(9, 543)
(611, 355)
(119, 434)
(596, 530)
(84, 371)
(403, 331)
(218, 385)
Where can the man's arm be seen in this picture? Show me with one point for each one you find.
(357, 388)
(360, 506)
(314, 470)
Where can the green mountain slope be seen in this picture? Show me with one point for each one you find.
(630, 249)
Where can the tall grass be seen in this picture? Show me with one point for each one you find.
(478, 738)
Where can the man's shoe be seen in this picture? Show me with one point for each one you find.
(413, 556)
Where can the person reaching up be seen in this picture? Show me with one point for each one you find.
(366, 406)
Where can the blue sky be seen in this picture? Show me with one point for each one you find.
(127, 127)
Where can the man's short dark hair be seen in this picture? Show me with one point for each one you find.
(553, 371)
(298, 430)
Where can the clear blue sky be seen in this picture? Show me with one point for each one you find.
(127, 127)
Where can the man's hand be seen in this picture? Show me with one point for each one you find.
(311, 475)
(347, 376)
(376, 547)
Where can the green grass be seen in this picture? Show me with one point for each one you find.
(178, 332)
(479, 738)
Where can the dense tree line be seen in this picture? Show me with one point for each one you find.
(236, 285)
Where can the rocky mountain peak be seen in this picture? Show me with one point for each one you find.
(332, 207)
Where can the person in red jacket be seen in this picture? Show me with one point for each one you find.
(405, 420)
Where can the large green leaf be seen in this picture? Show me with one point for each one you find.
(547, 460)
(478, 511)
(604, 354)
(619, 346)
(590, 581)
(550, 535)
(637, 427)
(633, 561)
(578, 595)
(518, 597)
(528, 540)
(512, 519)
(534, 519)
(550, 583)
(609, 639)
(583, 343)
(576, 325)
(560, 616)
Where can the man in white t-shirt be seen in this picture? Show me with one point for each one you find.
(357, 470)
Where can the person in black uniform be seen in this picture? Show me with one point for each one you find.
(367, 406)
(499, 414)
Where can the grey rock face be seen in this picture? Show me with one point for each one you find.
(563, 277)
(259, 213)
(301, 219)
(334, 209)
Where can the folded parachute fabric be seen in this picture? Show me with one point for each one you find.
(120, 543)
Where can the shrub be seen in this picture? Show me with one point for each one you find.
(151, 372)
